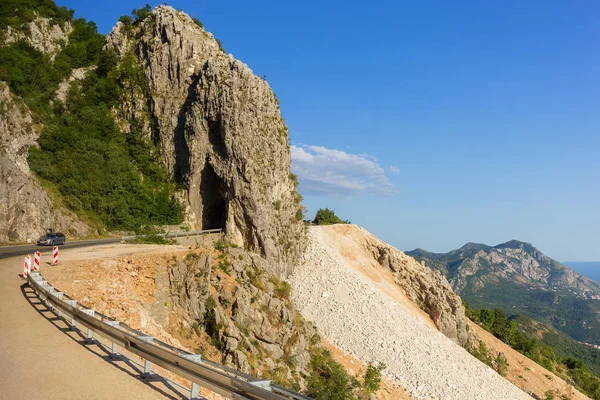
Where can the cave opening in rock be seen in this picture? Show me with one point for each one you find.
(214, 206)
(215, 137)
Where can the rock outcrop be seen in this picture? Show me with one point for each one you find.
(248, 316)
(426, 288)
(26, 210)
(77, 75)
(41, 34)
(220, 134)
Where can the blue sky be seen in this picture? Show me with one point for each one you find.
(431, 124)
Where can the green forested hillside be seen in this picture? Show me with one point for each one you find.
(107, 177)
(556, 358)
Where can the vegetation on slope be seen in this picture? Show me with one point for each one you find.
(325, 216)
(563, 345)
(104, 175)
(570, 369)
(15, 13)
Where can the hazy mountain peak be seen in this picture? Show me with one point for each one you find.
(474, 246)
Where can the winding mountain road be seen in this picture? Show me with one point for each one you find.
(11, 251)
(40, 358)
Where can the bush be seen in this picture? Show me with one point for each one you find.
(501, 364)
(328, 379)
(220, 245)
(16, 13)
(372, 379)
(152, 238)
(325, 216)
(140, 14)
(283, 290)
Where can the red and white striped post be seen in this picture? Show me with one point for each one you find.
(36, 260)
(55, 255)
(26, 266)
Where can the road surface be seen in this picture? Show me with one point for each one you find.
(41, 359)
(11, 251)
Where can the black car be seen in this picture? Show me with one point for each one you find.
(51, 239)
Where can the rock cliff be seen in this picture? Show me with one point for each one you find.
(26, 210)
(247, 314)
(219, 131)
(41, 34)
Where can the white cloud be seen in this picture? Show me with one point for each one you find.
(394, 169)
(334, 172)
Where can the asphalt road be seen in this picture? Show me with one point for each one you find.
(12, 251)
(41, 358)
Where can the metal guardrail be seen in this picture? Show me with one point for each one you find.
(213, 376)
(170, 235)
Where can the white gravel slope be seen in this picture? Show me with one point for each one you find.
(357, 317)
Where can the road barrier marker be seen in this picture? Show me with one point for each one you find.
(36, 261)
(26, 266)
(55, 255)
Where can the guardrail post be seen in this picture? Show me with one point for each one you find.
(147, 363)
(147, 370)
(194, 393)
(114, 347)
(91, 312)
(72, 303)
(49, 290)
(59, 295)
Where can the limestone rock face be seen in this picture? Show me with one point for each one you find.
(26, 211)
(78, 74)
(429, 289)
(246, 313)
(42, 35)
(356, 247)
(220, 133)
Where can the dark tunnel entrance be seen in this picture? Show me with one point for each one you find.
(212, 188)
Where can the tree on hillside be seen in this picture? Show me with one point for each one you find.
(325, 216)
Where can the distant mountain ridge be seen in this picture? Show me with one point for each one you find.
(479, 265)
(518, 278)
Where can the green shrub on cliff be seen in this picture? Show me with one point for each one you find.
(325, 216)
(329, 380)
